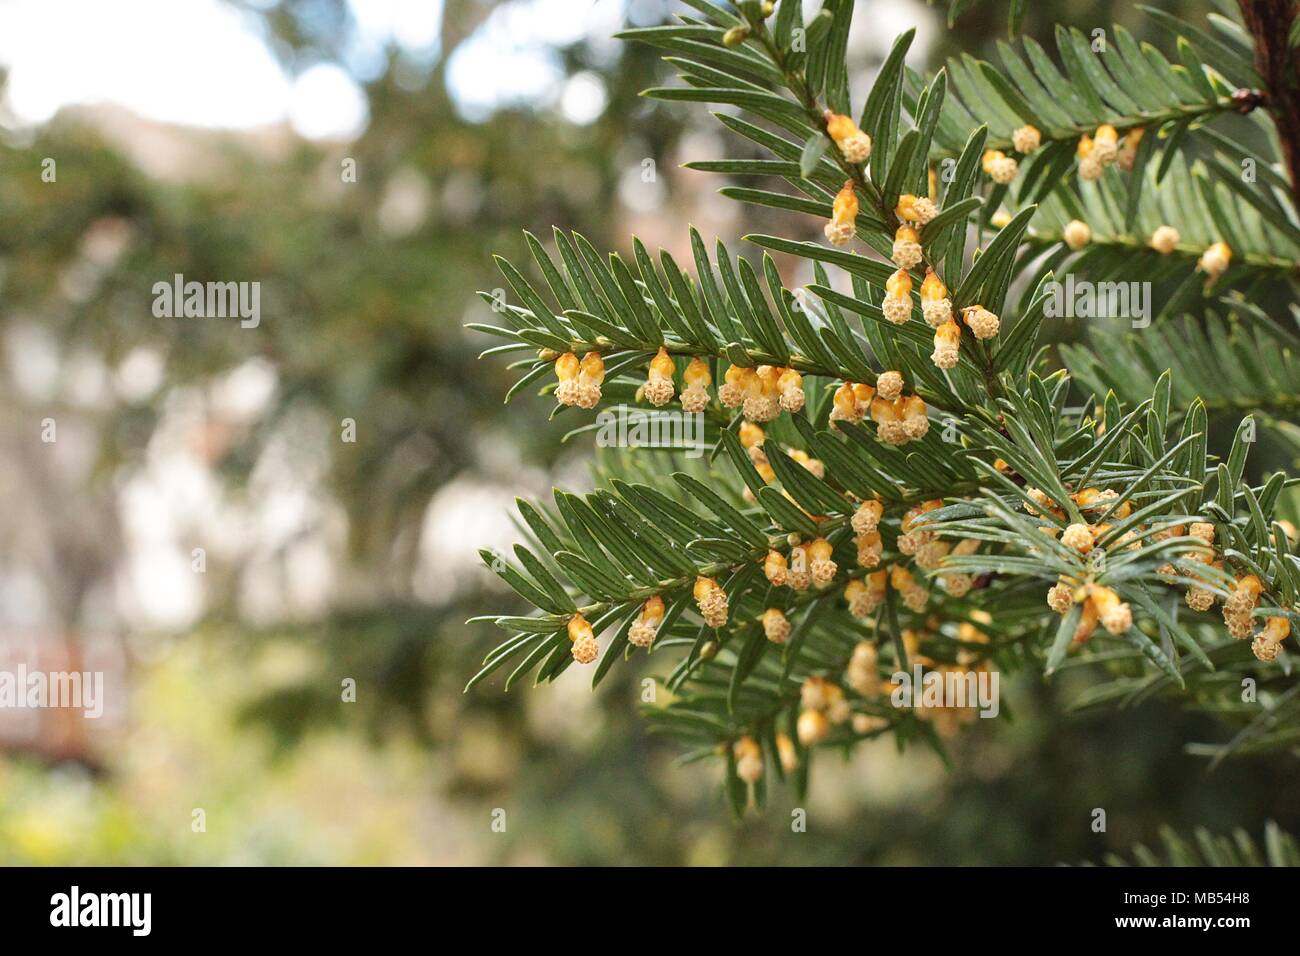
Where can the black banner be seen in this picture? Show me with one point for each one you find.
(334, 905)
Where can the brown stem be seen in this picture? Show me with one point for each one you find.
(1269, 23)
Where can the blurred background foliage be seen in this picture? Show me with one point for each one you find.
(325, 560)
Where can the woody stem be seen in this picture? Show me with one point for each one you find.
(1270, 23)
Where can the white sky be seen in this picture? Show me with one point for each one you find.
(198, 62)
(203, 63)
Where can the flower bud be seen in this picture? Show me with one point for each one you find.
(735, 36)
(1090, 168)
(751, 439)
(854, 145)
(1060, 597)
(1105, 148)
(775, 569)
(1078, 537)
(659, 388)
(790, 385)
(1077, 234)
(936, 307)
(1026, 139)
(799, 576)
(821, 566)
(844, 405)
(776, 626)
(870, 548)
(889, 424)
(585, 649)
(749, 760)
(1114, 615)
(813, 727)
(1165, 239)
(695, 397)
(889, 385)
(917, 209)
(844, 214)
(981, 321)
(1238, 609)
(643, 630)
(566, 370)
(907, 252)
(735, 385)
(1128, 154)
(897, 304)
(591, 373)
(1268, 642)
(1214, 260)
(712, 601)
(867, 516)
(762, 403)
(947, 345)
(863, 672)
(915, 416)
(1000, 167)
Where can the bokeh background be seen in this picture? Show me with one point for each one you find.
(212, 138)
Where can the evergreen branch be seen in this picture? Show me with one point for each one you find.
(1237, 367)
(1130, 246)
(1206, 849)
(936, 553)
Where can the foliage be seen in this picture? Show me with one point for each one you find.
(1206, 849)
(1029, 452)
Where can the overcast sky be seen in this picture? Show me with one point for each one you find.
(203, 63)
